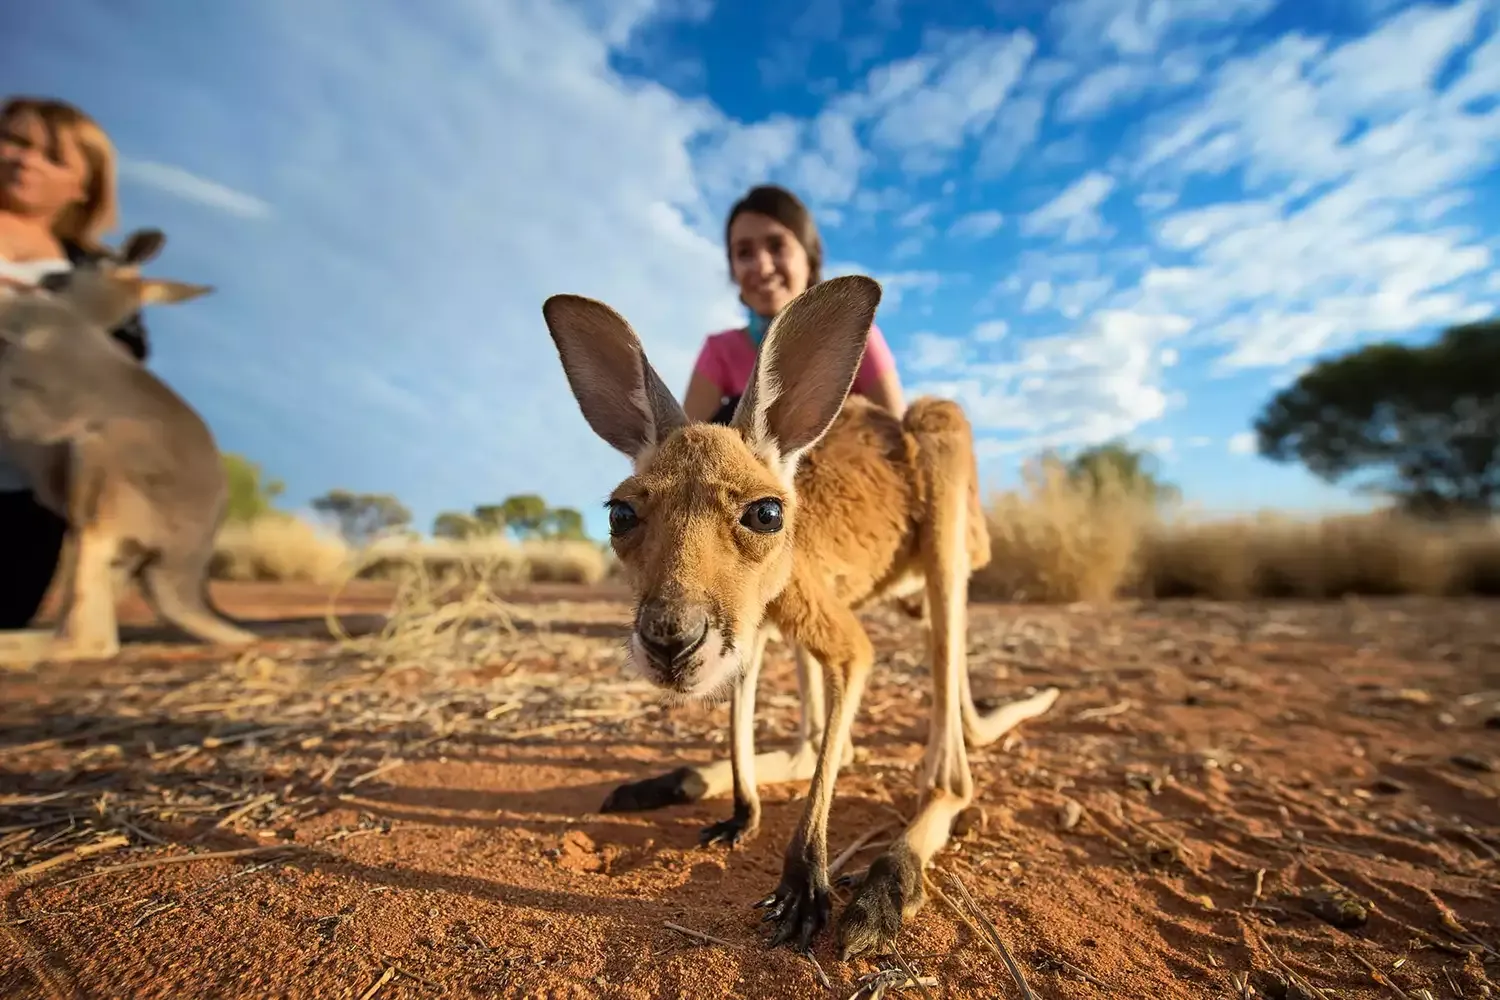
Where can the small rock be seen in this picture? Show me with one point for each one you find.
(1335, 906)
(1469, 762)
(1269, 984)
(1143, 782)
(1404, 696)
(1069, 815)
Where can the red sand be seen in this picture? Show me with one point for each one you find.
(1307, 743)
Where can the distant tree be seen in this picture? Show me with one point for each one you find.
(490, 518)
(250, 494)
(363, 516)
(1133, 470)
(564, 523)
(525, 514)
(1418, 424)
(456, 524)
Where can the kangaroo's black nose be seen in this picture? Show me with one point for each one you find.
(670, 635)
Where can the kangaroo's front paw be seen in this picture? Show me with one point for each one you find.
(730, 832)
(670, 789)
(800, 906)
(890, 892)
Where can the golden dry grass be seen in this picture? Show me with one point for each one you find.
(282, 547)
(1053, 540)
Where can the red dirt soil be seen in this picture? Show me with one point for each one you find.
(441, 837)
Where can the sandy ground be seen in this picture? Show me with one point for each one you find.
(429, 829)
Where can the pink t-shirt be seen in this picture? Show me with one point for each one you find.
(727, 359)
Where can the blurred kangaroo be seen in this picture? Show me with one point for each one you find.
(112, 448)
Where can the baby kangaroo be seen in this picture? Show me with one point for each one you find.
(721, 527)
(110, 447)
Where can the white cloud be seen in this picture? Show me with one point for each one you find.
(1139, 27)
(916, 216)
(977, 225)
(1037, 296)
(1242, 443)
(1156, 201)
(931, 352)
(894, 284)
(927, 106)
(1074, 213)
(1359, 156)
(990, 331)
(1083, 388)
(1015, 131)
(182, 184)
(1199, 441)
(1103, 89)
(912, 246)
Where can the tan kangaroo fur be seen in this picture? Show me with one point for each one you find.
(720, 528)
(108, 445)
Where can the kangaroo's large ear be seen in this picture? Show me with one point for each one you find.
(165, 291)
(620, 394)
(805, 368)
(141, 246)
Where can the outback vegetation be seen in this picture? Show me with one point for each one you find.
(1417, 427)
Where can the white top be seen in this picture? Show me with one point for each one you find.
(27, 272)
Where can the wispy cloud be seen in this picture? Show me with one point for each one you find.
(977, 225)
(1074, 213)
(182, 184)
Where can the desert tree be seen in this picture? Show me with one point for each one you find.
(251, 494)
(1419, 424)
(363, 516)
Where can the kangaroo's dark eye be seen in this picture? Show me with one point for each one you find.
(622, 517)
(763, 516)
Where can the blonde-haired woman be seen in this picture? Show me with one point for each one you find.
(57, 200)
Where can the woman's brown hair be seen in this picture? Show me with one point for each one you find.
(786, 208)
(84, 222)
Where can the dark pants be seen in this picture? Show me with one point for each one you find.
(31, 541)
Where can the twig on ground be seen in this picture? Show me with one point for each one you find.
(689, 932)
(818, 972)
(986, 928)
(1107, 712)
(876, 984)
(911, 974)
(389, 765)
(837, 864)
(1379, 977)
(72, 854)
(178, 859)
(385, 977)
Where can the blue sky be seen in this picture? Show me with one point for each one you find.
(1091, 217)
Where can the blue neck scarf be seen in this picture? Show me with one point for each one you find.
(756, 326)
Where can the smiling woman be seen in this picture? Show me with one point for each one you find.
(57, 198)
(775, 254)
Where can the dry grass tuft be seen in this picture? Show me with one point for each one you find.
(1055, 540)
(282, 547)
(443, 613)
(279, 547)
